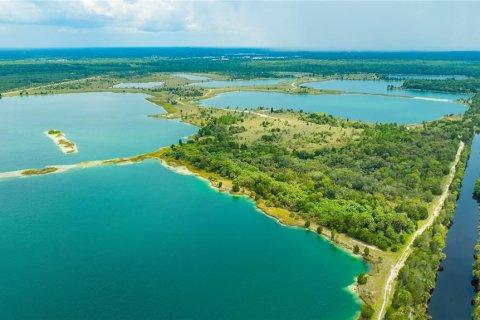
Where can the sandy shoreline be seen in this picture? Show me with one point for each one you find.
(24, 173)
(432, 99)
(59, 169)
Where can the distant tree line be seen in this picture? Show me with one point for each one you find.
(26, 73)
(448, 85)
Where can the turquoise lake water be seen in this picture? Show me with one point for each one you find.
(363, 107)
(190, 76)
(238, 83)
(140, 241)
(379, 87)
(103, 125)
(138, 85)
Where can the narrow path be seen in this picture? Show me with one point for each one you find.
(294, 85)
(262, 115)
(403, 257)
(207, 93)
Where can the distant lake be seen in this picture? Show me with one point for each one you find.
(378, 87)
(238, 83)
(103, 125)
(363, 107)
(190, 76)
(138, 85)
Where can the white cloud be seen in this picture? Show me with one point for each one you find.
(144, 15)
(20, 12)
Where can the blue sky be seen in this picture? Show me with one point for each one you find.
(315, 25)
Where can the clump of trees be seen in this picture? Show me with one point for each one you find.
(183, 92)
(54, 131)
(476, 189)
(322, 118)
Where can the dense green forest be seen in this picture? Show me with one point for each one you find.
(416, 279)
(449, 85)
(26, 73)
(374, 188)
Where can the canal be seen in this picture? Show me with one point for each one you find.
(452, 296)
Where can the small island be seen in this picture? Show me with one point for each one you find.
(67, 146)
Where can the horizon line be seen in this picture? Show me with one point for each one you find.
(245, 48)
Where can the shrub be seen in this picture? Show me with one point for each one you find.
(356, 249)
(366, 251)
(362, 278)
(235, 187)
(367, 311)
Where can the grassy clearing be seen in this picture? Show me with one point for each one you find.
(171, 110)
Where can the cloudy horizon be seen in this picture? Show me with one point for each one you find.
(301, 25)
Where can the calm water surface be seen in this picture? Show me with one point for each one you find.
(143, 242)
(103, 125)
(369, 108)
(453, 292)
